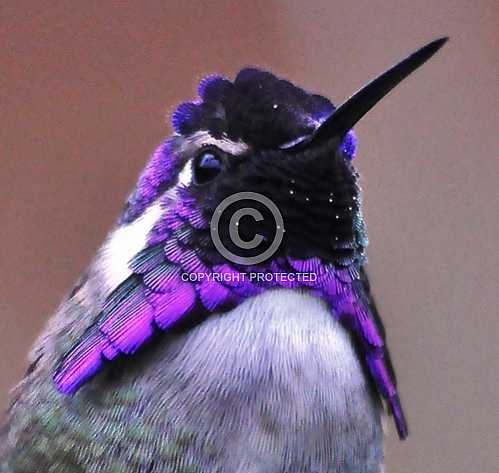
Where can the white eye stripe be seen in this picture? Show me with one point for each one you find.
(202, 138)
(185, 176)
(124, 243)
(191, 145)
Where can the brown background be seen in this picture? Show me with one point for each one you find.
(85, 87)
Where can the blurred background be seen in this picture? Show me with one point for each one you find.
(85, 89)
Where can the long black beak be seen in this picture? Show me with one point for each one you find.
(351, 111)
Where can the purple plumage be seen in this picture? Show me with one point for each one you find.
(325, 229)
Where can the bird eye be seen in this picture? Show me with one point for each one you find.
(206, 166)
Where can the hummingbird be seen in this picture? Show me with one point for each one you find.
(193, 346)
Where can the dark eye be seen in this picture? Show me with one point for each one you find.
(206, 166)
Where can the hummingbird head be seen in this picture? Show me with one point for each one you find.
(243, 136)
(263, 135)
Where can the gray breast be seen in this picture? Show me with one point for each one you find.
(273, 386)
(277, 387)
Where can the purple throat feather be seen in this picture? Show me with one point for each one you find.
(273, 138)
